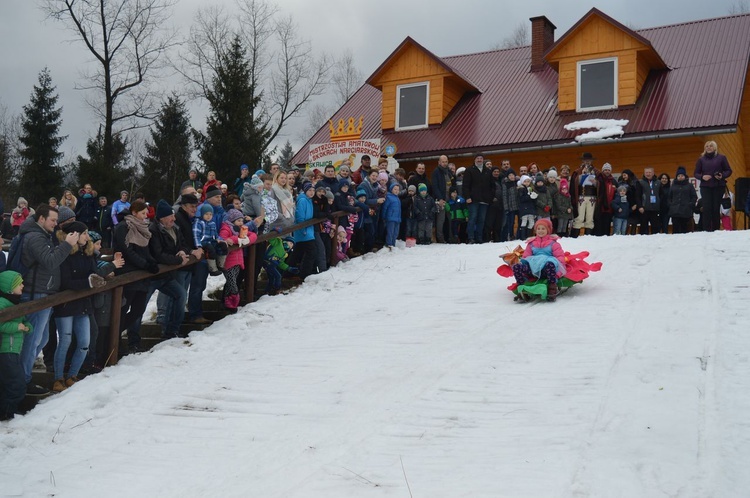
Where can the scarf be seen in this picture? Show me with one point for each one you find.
(138, 232)
(286, 201)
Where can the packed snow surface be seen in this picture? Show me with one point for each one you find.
(413, 373)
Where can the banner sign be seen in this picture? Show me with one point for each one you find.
(321, 155)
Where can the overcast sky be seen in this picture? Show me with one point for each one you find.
(29, 42)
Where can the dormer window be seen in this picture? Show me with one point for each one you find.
(412, 106)
(597, 84)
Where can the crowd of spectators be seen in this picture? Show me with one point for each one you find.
(58, 245)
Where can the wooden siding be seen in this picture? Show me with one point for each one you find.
(744, 125)
(452, 93)
(598, 39)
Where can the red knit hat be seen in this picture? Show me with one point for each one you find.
(546, 222)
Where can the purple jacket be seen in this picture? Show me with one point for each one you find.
(710, 165)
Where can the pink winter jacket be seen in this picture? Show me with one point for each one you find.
(236, 255)
(540, 242)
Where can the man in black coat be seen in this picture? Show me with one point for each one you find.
(104, 223)
(442, 181)
(478, 190)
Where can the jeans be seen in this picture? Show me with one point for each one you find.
(66, 327)
(177, 293)
(35, 340)
(391, 232)
(477, 214)
(197, 286)
(508, 232)
(164, 303)
(621, 226)
(12, 384)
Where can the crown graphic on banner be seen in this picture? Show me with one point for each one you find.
(346, 131)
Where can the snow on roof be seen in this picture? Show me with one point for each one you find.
(605, 128)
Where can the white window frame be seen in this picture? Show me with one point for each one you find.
(427, 106)
(579, 65)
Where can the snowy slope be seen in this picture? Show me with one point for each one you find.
(414, 372)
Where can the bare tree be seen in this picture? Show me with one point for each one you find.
(10, 130)
(284, 71)
(318, 115)
(519, 37)
(739, 7)
(346, 77)
(128, 39)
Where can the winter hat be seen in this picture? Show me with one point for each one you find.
(20, 200)
(224, 186)
(65, 214)
(412, 188)
(606, 167)
(9, 280)
(344, 168)
(193, 170)
(523, 179)
(362, 193)
(256, 182)
(206, 208)
(546, 222)
(259, 172)
(394, 184)
(382, 176)
(94, 236)
(188, 199)
(233, 215)
(75, 226)
(306, 186)
(163, 209)
(422, 187)
(213, 191)
(319, 186)
(563, 184)
(341, 229)
(124, 192)
(244, 166)
(460, 170)
(343, 183)
(552, 174)
(680, 171)
(539, 178)
(329, 194)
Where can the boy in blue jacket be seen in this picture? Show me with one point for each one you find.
(392, 215)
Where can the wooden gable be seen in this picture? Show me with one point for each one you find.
(597, 36)
(412, 63)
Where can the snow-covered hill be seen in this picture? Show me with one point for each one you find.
(413, 372)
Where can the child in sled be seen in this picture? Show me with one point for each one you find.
(543, 258)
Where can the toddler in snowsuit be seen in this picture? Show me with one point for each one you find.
(12, 380)
(237, 236)
(205, 235)
(542, 258)
(621, 210)
(424, 209)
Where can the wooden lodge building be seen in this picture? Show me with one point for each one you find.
(677, 86)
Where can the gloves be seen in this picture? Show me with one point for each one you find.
(546, 209)
(293, 270)
(243, 242)
(153, 268)
(95, 281)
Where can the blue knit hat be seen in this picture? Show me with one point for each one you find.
(306, 186)
(163, 209)
(422, 187)
(361, 193)
(206, 208)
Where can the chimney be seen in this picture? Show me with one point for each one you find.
(542, 38)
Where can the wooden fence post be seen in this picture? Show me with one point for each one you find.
(250, 274)
(114, 326)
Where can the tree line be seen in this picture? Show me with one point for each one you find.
(253, 70)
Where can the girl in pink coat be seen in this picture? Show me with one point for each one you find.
(236, 235)
(543, 258)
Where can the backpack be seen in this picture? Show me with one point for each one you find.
(15, 261)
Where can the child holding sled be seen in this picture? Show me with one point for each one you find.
(543, 258)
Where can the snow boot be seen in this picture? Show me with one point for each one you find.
(59, 386)
(552, 292)
(213, 270)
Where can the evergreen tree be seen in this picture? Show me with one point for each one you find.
(90, 169)
(167, 159)
(40, 174)
(285, 155)
(233, 136)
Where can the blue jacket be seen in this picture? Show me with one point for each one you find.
(392, 208)
(303, 212)
(618, 204)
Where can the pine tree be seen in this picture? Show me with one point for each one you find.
(40, 174)
(167, 159)
(285, 155)
(233, 136)
(90, 169)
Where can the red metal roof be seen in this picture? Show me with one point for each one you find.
(708, 62)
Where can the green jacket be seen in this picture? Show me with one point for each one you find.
(11, 339)
(275, 254)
